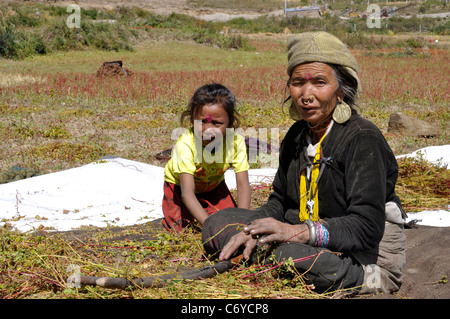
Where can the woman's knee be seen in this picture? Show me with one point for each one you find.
(224, 217)
(221, 226)
(320, 266)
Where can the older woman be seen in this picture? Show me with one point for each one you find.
(333, 209)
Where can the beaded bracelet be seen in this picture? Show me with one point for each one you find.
(322, 235)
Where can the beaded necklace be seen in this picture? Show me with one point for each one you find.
(321, 126)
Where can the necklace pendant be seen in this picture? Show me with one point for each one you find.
(310, 206)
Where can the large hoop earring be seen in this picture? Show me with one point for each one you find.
(293, 112)
(342, 112)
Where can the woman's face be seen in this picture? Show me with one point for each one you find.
(214, 122)
(313, 89)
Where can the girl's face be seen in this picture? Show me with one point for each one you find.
(214, 122)
(313, 89)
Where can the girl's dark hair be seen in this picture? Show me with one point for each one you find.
(208, 94)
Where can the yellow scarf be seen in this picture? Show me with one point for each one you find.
(313, 194)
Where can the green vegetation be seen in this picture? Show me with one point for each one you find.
(23, 33)
(257, 5)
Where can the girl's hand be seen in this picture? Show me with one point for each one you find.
(194, 207)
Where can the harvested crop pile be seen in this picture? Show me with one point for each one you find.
(422, 185)
(113, 69)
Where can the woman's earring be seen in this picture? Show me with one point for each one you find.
(293, 112)
(342, 112)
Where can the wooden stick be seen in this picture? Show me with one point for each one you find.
(160, 281)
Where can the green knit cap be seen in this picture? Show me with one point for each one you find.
(320, 47)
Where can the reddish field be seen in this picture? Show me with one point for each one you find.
(68, 119)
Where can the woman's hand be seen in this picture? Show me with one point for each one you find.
(238, 240)
(264, 231)
(273, 231)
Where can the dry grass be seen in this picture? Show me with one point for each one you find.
(39, 265)
(8, 80)
(422, 185)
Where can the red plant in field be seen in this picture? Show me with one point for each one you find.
(265, 84)
(401, 79)
(405, 79)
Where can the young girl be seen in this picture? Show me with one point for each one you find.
(194, 185)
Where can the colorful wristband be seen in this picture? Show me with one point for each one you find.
(322, 235)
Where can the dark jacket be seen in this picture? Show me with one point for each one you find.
(356, 184)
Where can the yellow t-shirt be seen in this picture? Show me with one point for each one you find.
(208, 170)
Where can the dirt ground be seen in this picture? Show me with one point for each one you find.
(156, 6)
(427, 263)
(427, 258)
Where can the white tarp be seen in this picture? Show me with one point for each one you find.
(121, 192)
